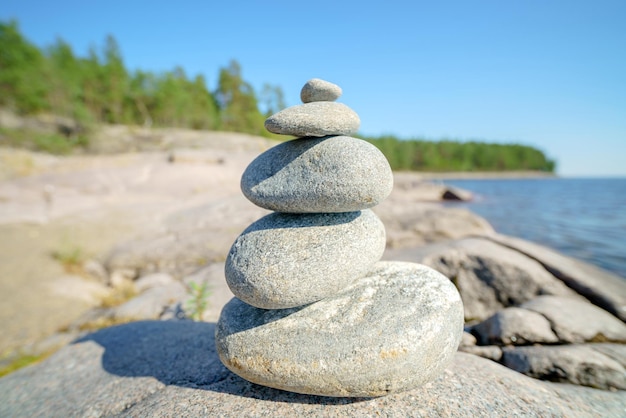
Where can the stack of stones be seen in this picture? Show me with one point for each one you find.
(315, 310)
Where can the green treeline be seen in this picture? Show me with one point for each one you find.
(99, 88)
(446, 155)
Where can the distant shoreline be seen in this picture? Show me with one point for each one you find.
(483, 175)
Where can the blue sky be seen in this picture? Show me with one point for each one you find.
(551, 74)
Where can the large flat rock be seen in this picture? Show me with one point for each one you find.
(171, 368)
(489, 276)
(601, 287)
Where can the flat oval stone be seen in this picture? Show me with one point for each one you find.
(318, 90)
(286, 260)
(314, 119)
(309, 175)
(390, 331)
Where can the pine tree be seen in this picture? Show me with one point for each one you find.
(114, 81)
(22, 72)
(237, 101)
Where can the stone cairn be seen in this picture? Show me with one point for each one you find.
(315, 310)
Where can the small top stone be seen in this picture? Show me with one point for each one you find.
(317, 90)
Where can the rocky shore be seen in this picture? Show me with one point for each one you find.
(149, 224)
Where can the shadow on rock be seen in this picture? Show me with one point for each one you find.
(182, 353)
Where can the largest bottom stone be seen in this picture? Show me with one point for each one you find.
(388, 332)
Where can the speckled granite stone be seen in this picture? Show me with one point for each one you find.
(390, 331)
(314, 119)
(287, 260)
(309, 175)
(318, 90)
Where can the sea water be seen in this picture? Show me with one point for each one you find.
(584, 218)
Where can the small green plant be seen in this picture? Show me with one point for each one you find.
(198, 301)
(71, 257)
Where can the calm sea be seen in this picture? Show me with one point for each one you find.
(582, 218)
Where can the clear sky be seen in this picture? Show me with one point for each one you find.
(550, 74)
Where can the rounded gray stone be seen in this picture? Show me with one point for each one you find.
(318, 90)
(579, 364)
(515, 326)
(314, 119)
(390, 331)
(286, 260)
(309, 175)
(578, 321)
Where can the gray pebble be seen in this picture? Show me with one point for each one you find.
(314, 119)
(391, 331)
(309, 175)
(318, 90)
(287, 260)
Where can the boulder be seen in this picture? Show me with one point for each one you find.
(312, 175)
(187, 240)
(410, 224)
(413, 186)
(489, 276)
(577, 321)
(391, 331)
(169, 252)
(455, 194)
(412, 218)
(152, 280)
(615, 351)
(515, 326)
(599, 286)
(285, 260)
(152, 303)
(578, 364)
(171, 368)
(96, 270)
(78, 289)
(122, 276)
(467, 340)
(491, 352)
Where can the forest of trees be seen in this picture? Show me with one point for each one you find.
(98, 88)
(446, 155)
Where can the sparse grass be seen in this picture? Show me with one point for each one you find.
(218, 258)
(121, 293)
(71, 257)
(45, 142)
(17, 162)
(198, 301)
(103, 322)
(23, 361)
